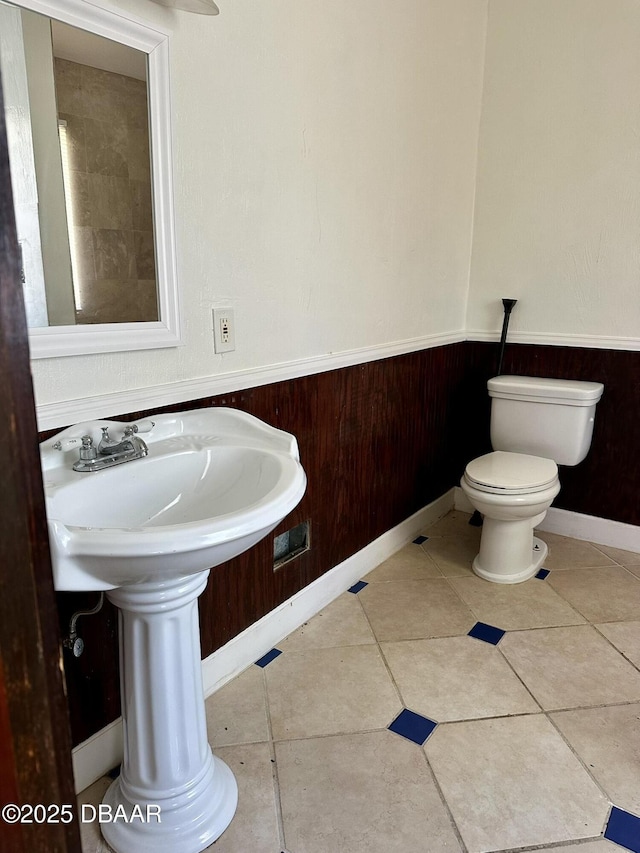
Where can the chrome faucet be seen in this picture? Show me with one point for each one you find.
(109, 451)
(131, 446)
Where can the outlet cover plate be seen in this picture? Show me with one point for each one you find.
(224, 330)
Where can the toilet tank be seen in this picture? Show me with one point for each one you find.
(543, 417)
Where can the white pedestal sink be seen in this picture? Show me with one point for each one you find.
(214, 483)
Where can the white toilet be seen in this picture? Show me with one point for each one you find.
(535, 423)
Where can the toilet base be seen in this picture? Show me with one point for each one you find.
(509, 552)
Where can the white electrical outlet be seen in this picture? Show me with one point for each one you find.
(224, 330)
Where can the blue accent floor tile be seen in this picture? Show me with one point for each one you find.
(543, 573)
(412, 726)
(624, 829)
(487, 633)
(266, 659)
(357, 587)
(420, 539)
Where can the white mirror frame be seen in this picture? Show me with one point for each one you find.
(55, 341)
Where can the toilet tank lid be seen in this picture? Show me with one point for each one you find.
(571, 392)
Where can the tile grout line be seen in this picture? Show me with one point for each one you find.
(613, 645)
(443, 799)
(589, 568)
(608, 556)
(571, 844)
(431, 559)
(565, 599)
(381, 654)
(586, 769)
(519, 677)
(274, 766)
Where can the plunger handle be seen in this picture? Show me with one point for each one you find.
(508, 307)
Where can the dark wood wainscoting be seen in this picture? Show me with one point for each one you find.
(378, 441)
(606, 483)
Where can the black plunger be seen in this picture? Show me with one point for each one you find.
(476, 518)
(508, 308)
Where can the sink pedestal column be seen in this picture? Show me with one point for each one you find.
(172, 793)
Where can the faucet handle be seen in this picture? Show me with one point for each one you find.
(143, 426)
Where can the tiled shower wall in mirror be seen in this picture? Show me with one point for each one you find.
(105, 142)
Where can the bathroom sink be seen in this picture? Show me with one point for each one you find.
(215, 481)
(149, 509)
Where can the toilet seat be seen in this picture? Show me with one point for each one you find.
(506, 473)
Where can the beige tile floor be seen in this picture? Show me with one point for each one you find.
(537, 736)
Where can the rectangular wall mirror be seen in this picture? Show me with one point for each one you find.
(88, 125)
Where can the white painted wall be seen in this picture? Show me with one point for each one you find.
(557, 216)
(324, 173)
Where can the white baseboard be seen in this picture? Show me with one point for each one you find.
(601, 531)
(590, 528)
(97, 755)
(103, 751)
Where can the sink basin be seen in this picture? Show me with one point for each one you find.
(147, 530)
(215, 482)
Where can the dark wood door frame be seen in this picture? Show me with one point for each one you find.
(35, 745)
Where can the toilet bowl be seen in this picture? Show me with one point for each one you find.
(536, 424)
(513, 491)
